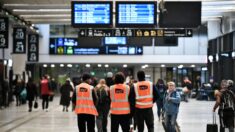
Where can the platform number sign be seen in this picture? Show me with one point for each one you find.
(4, 23)
(33, 41)
(19, 40)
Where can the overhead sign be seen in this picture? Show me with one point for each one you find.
(4, 23)
(19, 40)
(135, 33)
(33, 47)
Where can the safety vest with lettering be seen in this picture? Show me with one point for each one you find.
(144, 95)
(119, 94)
(84, 100)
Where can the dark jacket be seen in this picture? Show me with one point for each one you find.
(31, 91)
(65, 94)
(109, 81)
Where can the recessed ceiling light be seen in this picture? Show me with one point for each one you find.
(99, 65)
(106, 65)
(125, 65)
(61, 65)
(88, 65)
(45, 65)
(69, 65)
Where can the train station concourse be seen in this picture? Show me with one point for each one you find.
(117, 65)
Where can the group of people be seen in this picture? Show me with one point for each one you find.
(129, 106)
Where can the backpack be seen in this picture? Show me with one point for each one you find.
(227, 108)
(102, 96)
(227, 99)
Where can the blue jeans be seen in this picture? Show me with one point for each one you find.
(170, 120)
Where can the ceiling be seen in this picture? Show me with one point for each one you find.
(58, 11)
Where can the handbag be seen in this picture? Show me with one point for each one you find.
(212, 127)
(35, 105)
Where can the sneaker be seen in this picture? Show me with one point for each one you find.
(30, 110)
(47, 110)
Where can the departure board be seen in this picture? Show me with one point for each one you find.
(137, 14)
(91, 14)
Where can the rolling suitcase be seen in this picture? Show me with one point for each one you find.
(212, 127)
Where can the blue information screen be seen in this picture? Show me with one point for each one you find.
(131, 13)
(92, 13)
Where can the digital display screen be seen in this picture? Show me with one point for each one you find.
(115, 40)
(136, 14)
(70, 46)
(181, 15)
(63, 45)
(90, 14)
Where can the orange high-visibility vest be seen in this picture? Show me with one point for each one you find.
(144, 94)
(84, 100)
(119, 94)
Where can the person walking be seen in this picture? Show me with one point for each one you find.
(225, 102)
(45, 92)
(103, 105)
(120, 104)
(65, 95)
(171, 107)
(31, 93)
(145, 95)
(187, 87)
(85, 99)
(161, 89)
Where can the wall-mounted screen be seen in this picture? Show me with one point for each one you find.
(91, 14)
(62, 45)
(115, 40)
(180, 15)
(136, 14)
(71, 46)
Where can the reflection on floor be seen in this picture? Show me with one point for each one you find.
(193, 117)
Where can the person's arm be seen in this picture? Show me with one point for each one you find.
(95, 98)
(74, 97)
(175, 99)
(156, 95)
(218, 101)
(132, 100)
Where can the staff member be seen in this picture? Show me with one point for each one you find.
(84, 99)
(120, 106)
(145, 94)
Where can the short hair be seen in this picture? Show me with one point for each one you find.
(170, 83)
(86, 76)
(224, 83)
(141, 75)
(109, 74)
(119, 78)
(230, 83)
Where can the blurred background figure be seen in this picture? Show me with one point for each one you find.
(161, 89)
(109, 79)
(198, 84)
(102, 106)
(45, 92)
(65, 95)
(31, 93)
(187, 87)
(53, 88)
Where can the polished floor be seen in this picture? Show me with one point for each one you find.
(193, 117)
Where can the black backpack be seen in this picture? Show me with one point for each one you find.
(227, 103)
(102, 96)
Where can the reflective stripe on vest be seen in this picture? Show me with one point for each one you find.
(144, 98)
(84, 100)
(119, 105)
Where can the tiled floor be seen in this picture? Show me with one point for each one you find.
(193, 117)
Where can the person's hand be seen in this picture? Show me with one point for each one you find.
(169, 99)
(214, 109)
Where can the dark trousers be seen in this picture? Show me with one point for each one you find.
(159, 108)
(45, 101)
(144, 115)
(101, 121)
(30, 104)
(85, 120)
(123, 120)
